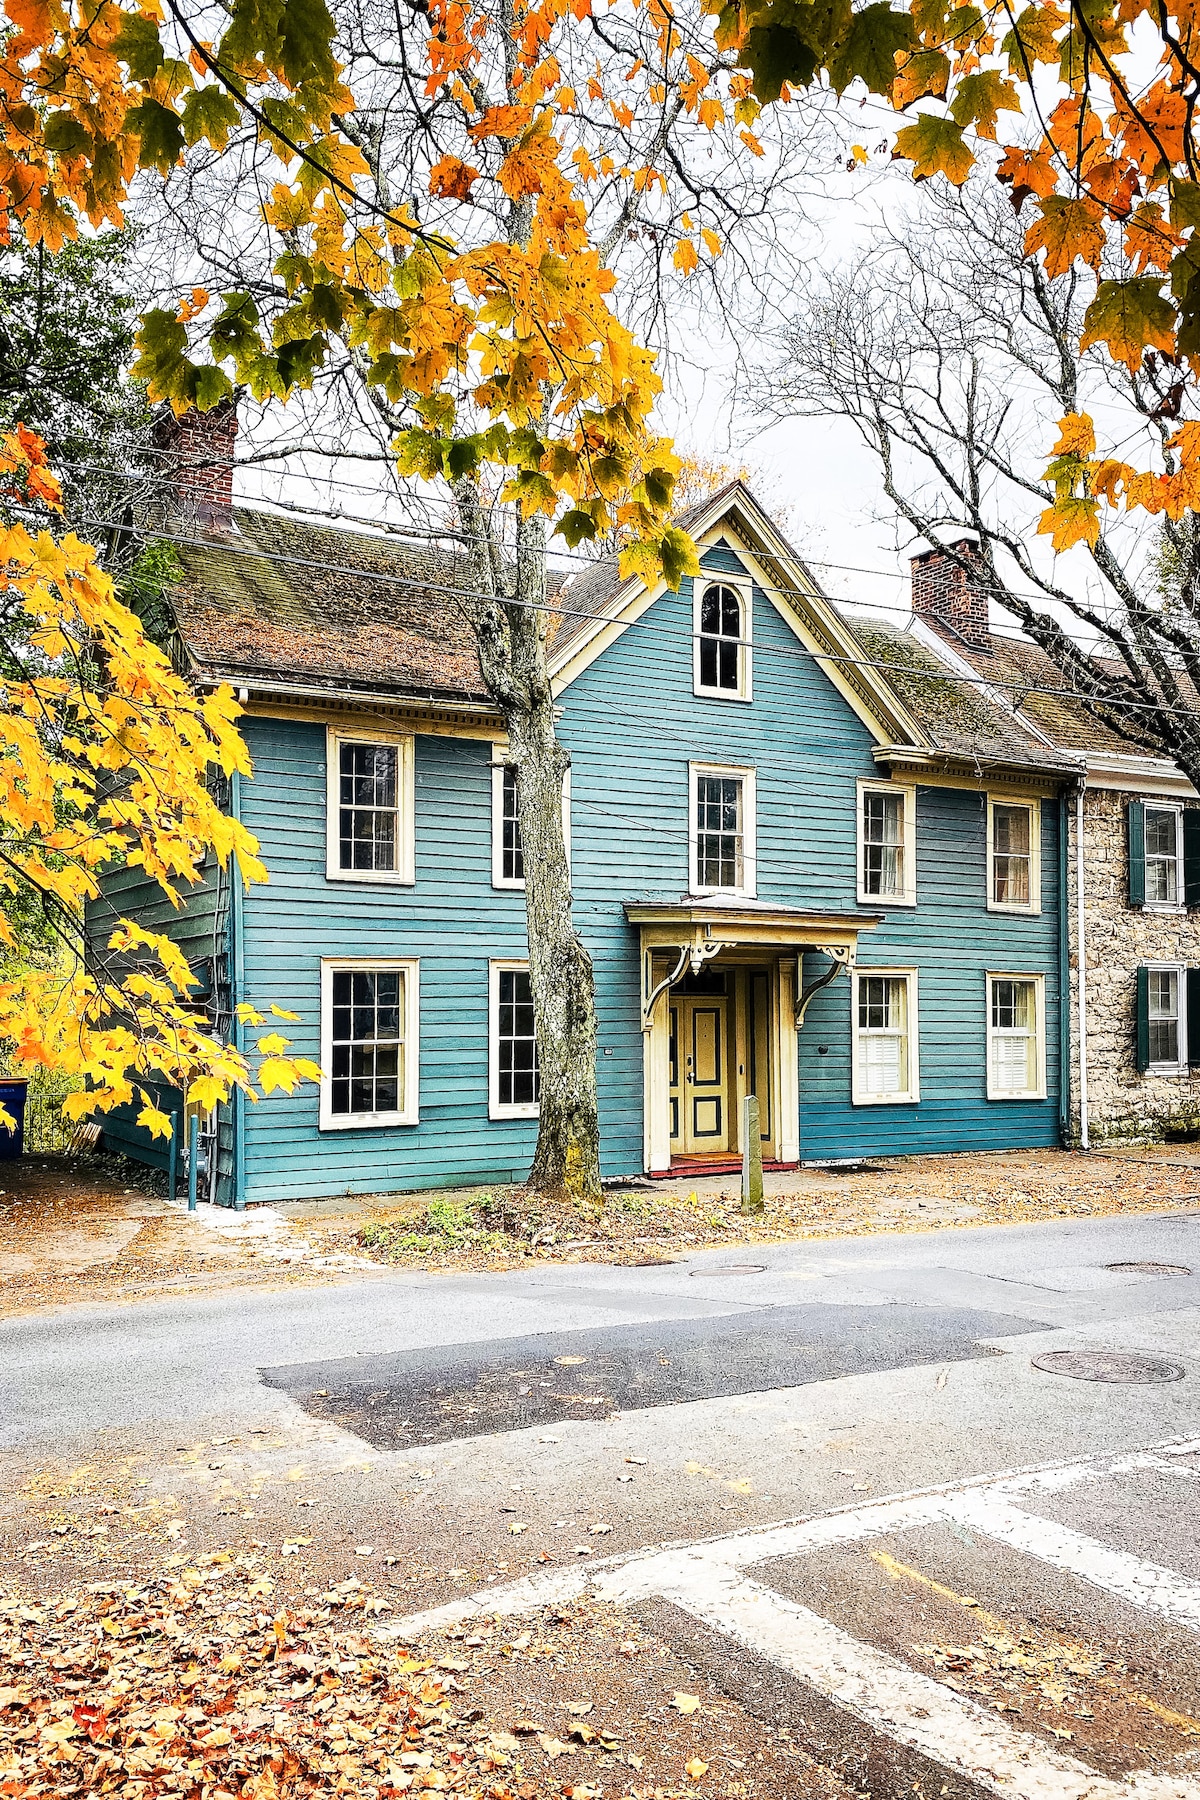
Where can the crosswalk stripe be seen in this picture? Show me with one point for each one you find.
(885, 1694)
(1127, 1577)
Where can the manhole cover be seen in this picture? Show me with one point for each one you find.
(733, 1269)
(1147, 1268)
(1108, 1365)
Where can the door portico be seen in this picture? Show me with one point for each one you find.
(721, 1007)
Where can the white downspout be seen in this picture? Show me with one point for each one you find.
(1081, 958)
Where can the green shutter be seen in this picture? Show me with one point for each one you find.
(1193, 1018)
(1143, 1019)
(1137, 856)
(1191, 855)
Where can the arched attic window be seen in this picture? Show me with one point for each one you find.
(722, 638)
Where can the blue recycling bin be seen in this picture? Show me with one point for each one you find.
(14, 1091)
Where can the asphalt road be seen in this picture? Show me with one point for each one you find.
(876, 1399)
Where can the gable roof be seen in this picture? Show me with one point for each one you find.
(282, 604)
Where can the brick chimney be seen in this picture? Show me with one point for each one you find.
(946, 593)
(196, 462)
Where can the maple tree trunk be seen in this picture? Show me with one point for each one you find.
(511, 632)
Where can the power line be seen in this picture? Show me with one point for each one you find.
(286, 509)
(834, 658)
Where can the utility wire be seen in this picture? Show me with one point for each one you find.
(832, 657)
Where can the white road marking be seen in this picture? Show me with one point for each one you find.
(1115, 1571)
(911, 1708)
(706, 1580)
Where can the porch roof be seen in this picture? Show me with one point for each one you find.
(729, 924)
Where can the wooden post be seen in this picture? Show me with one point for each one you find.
(752, 1176)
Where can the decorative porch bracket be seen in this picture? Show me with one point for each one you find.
(841, 960)
(702, 949)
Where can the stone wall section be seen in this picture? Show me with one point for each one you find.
(1121, 1102)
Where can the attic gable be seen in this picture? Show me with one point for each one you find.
(598, 607)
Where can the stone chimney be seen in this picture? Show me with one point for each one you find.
(196, 462)
(949, 594)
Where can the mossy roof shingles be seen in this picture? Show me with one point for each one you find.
(954, 712)
(300, 603)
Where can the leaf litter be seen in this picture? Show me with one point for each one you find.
(197, 1685)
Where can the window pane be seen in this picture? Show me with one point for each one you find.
(718, 831)
(512, 854)
(1014, 1046)
(883, 1034)
(1011, 856)
(367, 1041)
(367, 818)
(883, 836)
(1160, 832)
(519, 1083)
(720, 635)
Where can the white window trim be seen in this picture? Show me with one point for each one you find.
(747, 777)
(404, 874)
(409, 1112)
(1034, 808)
(908, 840)
(499, 879)
(744, 587)
(913, 1092)
(1167, 906)
(1039, 981)
(1182, 1067)
(495, 1109)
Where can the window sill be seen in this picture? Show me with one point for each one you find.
(499, 1113)
(370, 878)
(886, 1100)
(1032, 1094)
(1174, 909)
(509, 887)
(1020, 912)
(886, 900)
(723, 894)
(707, 693)
(368, 1121)
(1174, 1071)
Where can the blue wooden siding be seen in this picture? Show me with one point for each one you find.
(632, 724)
(453, 920)
(199, 925)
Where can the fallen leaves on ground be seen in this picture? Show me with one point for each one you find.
(197, 1685)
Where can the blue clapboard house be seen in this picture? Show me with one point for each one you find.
(808, 864)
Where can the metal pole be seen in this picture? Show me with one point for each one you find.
(752, 1176)
(173, 1157)
(193, 1152)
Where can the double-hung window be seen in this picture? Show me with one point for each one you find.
(886, 843)
(1014, 855)
(515, 1083)
(721, 634)
(885, 1037)
(722, 804)
(369, 832)
(1162, 1018)
(369, 1052)
(508, 851)
(1016, 1037)
(508, 855)
(1164, 856)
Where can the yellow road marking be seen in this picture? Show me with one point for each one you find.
(905, 1572)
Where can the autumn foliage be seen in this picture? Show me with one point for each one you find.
(107, 759)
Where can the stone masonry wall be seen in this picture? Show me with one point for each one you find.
(1121, 1102)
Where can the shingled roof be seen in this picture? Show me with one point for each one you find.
(958, 716)
(313, 605)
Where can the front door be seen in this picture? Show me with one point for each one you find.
(700, 1086)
